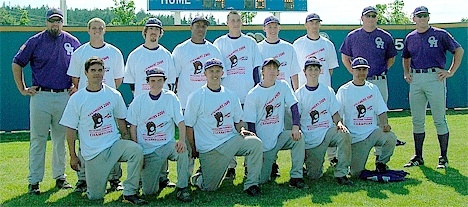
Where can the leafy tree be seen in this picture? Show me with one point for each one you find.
(24, 19)
(464, 20)
(247, 17)
(124, 11)
(392, 13)
(6, 18)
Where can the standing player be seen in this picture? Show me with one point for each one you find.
(97, 47)
(361, 106)
(93, 113)
(153, 116)
(49, 53)
(423, 63)
(313, 45)
(242, 60)
(215, 133)
(113, 78)
(148, 56)
(264, 115)
(274, 47)
(322, 125)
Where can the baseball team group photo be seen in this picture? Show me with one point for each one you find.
(246, 118)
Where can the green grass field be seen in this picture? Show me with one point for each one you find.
(425, 186)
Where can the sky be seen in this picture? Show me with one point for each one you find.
(330, 11)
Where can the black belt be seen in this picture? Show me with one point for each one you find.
(376, 77)
(430, 70)
(50, 89)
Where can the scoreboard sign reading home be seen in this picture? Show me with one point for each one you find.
(240, 5)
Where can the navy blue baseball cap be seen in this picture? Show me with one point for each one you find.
(213, 62)
(156, 72)
(270, 19)
(197, 19)
(153, 22)
(269, 60)
(312, 61)
(54, 12)
(360, 62)
(368, 10)
(420, 9)
(313, 16)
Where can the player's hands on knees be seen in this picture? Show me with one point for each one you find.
(180, 147)
(243, 132)
(296, 134)
(443, 74)
(31, 91)
(341, 128)
(408, 77)
(386, 128)
(75, 163)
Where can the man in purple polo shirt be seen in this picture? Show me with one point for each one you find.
(423, 64)
(49, 54)
(376, 46)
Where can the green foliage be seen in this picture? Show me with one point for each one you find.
(124, 11)
(392, 13)
(247, 17)
(464, 19)
(24, 19)
(6, 18)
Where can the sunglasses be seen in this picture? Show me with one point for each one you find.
(422, 15)
(371, 15)
(55, 20)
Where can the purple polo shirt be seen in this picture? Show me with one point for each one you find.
(376, 47)
(49, 58)
(427, 50)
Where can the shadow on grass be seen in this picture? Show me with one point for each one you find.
(452, 178)
(71, 199)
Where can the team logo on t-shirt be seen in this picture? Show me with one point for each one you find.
(219, 118)
(361, 110)
(233, 60)
(150, 128)
(269, 110)
(69, 48)
(314, 115)
(98, 120)
(198, 67)
(432, 41)
(379, 43)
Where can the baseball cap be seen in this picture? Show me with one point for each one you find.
(197, 19)
(312, 61)
(54, 12)
(268, 60)
(360, 62)
(156, 72)
(270, 19)
(213, 62)
(153, 22)
(368, 10)
(313, 16)
(420, 9)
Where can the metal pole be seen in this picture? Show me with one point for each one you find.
(63, 7)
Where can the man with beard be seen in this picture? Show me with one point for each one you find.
(49, 53)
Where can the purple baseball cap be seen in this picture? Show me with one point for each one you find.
(270, 19)
(313, 16)
(312, 61)
(156, 72)
(420, 9)
(213, 62)
(153, 22)
(197, 19)
(360, 62)
(54, 12)
(269, 60)
(368, 10)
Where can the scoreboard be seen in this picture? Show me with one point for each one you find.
(223, 5)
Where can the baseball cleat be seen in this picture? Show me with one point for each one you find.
(415, 161)
(133, 199)
(443, 163)
(33, 189)
(62, 184)
(253, 191)
(230, 174)
(297, 183)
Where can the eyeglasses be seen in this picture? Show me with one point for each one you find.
(55, 20)
(424, 15)
(371, 15)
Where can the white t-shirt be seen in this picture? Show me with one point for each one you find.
(284, 52)
(155, 119)
(265, 108)
(322, 49)
(360, 107)
(316, 109)
(113, 63)
(212, 116)
(241, 56)
(142, 59)
(189, 59)
(93, 114)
